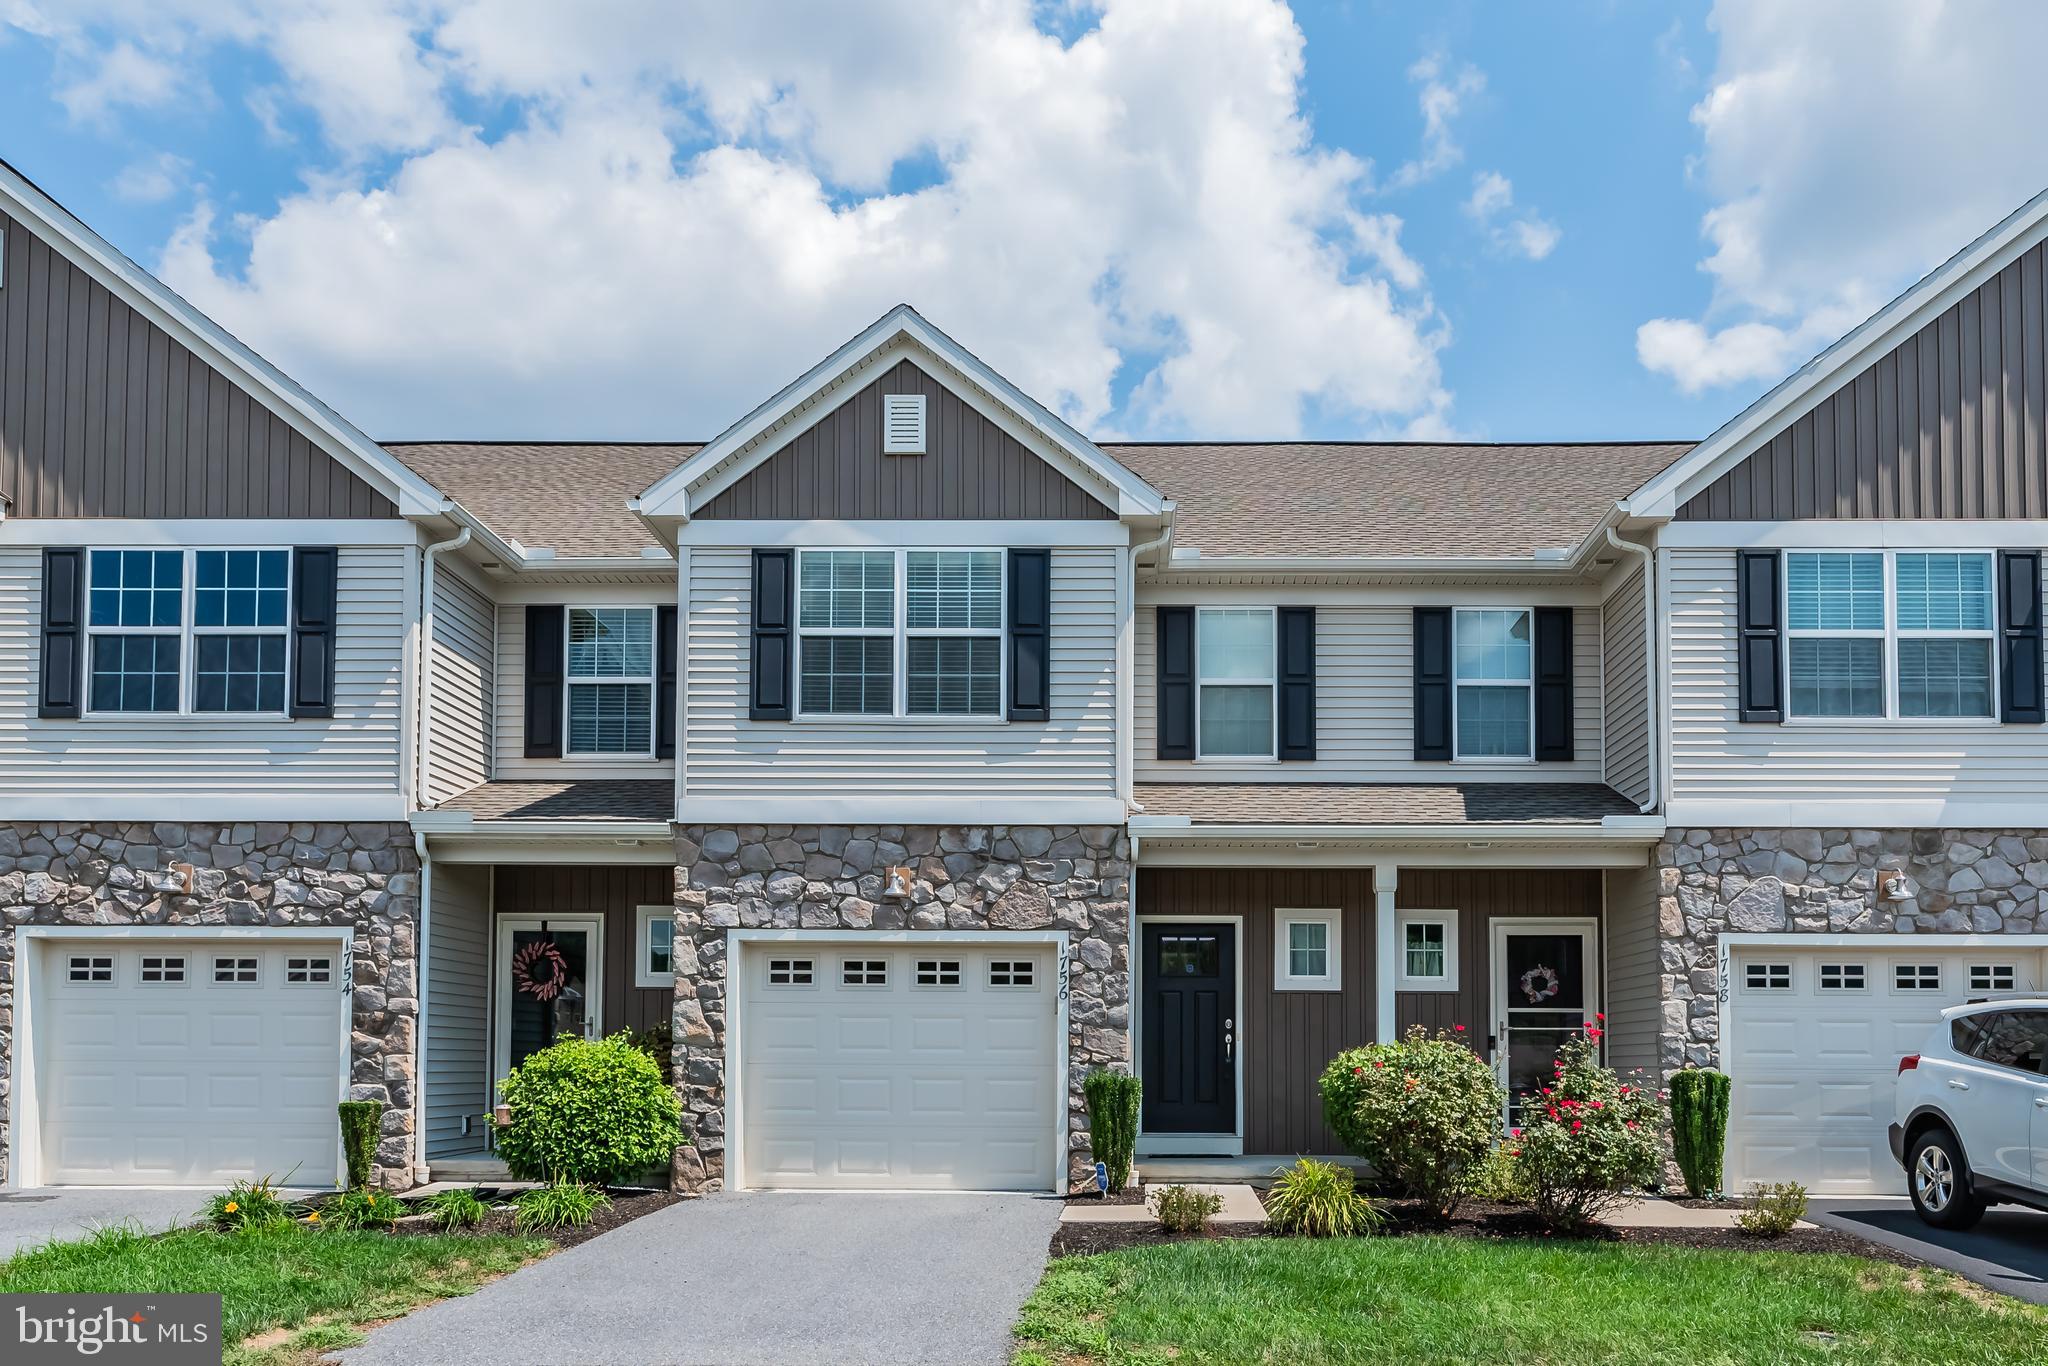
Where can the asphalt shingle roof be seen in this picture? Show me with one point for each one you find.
(568, 495)
(588, 799)
(1385, 803)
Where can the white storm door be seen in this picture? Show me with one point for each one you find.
(549, 983)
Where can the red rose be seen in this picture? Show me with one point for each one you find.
(1458, 1028)
(1577, 1125)
(1358, 1071)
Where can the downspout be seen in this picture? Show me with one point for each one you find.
(425, 691)
(421, 1172)
(1126, 707)
(1648, 805)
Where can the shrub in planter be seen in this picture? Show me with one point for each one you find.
(1588, 1137)
(1773, 1209)
(1320, 1200)
(1699, 1127)
(362, 1122)
(584, 1111)
(1113, 1121)
(1182, 1209)
(1423, 1111)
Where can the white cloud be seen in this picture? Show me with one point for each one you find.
(1443, 96)
(1528, 235)
(691, 206)
(1848, 147)
(152, 179)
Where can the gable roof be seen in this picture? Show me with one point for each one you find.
(1391, 499)
(750, 440)
(1742, 435)
(328, 430)
(569, 496)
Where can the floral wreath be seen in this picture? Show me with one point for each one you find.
(541, 954)
(1540, 983)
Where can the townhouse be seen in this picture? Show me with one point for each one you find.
(905, 753)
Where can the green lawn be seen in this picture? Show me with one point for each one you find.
(283, 1280)
(1457, 1299)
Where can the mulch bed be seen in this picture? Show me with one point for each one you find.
(626, 1206)
(1133, 1194)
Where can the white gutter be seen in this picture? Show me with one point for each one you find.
(1649, 804)
(419, 1037)
(1126, 721)
(425, 691)
(443, 822)
(1610, 830)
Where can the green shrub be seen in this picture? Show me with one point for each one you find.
(249, 1205)
(565, 1204)
(455, 1209)
(588, 1111)
(362, 1123)
(1182, 1209)
(360, 1208)
(1503, 1178)
(1699, 1127)
(1588, 1137)
(1773, 1209)
(1320, 1200)
(1113, 1099)
(1423, 1111)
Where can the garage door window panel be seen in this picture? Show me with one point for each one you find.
(163, 970)
(1993, 977)
(790, 972)
(1916, 977)
(938, 972)
(1012, 974)
(240, 972)
(87, 969)
(308, 972)
(1767, 977)
(864, 972)
(1843, 977)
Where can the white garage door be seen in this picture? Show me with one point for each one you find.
(188, 1062)
(1814, 1042)
(910, 1068)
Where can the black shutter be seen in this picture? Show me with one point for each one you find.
(63, 633)
(665, 682)
(545, 651)
(1759, 637)
(1030, 635)
(313, 577)
(1297, 674)
(1553, 683)
(1432, 683)
(1176, 682)
(773, 643)
(2019, 638)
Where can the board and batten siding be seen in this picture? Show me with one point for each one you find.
(147, 767)
(1481, 896)
(615, 891)
(102, 414)
(1625, 686)
(1880, 772)
(1365, 708)
(459, 712)
(1634, 990)
(725, 754)
(457, 1071)
(1950, 423)
(509, 740)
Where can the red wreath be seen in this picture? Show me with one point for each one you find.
(542, 953)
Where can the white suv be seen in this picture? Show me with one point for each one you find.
(1971, 1121)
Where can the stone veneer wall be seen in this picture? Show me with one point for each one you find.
(250, 873)
(830, 877)
(1799, 881)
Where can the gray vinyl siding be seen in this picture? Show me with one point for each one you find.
(465, 685)
(971, 470)
(168, 766)
(1073, 754)
(1948, 424)
(509, 740)
(457, 1068)
(1715, 756)
(102, 414)
(1365, 709)
(1626, 688)
(1633, 992)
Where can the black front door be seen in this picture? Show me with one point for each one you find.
(1190, 1063)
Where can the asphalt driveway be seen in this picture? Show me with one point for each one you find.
(38, 1215)
(774, 1277)
(2007, 1252)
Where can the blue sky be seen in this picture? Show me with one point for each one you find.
(1221, 218)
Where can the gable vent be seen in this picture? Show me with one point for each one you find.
(903, 424)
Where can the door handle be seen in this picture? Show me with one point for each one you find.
(2041, 1102)
(1229, 1035)
(1958, 1084)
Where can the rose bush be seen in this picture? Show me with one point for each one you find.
(1423, 1111)
(1588, 1137)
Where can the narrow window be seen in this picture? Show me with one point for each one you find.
(789, 972)
(240, 600)
(1945, 634)
(938, 972)
(611, 680)
(953, 623)
(162, 969)
(1842, 977)
(1494, 661)
(846, 625)
(1767, 976)
(1427, 942)
(240, 971)
(1916, 976)
(1234, 663)
(1307, 950)
(1012, 972)
(864, 972)
(655, 954)
(1835, 618)
(308, 971)
(135, 616)
(91, 968)
(1993, 977)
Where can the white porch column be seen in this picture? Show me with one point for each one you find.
(1385, 877)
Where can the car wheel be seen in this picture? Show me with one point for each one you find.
(1939, 1182)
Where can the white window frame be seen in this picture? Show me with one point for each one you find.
(92, 963)
(1842, 982)
(1458, 681)
(1271, 683)
(867, 968)
(187, 632)
(651, 679)
(643, 947)
(163, 960)
(807, 964)
(1990, 971)
(938, 968)
(1890, 635)
(1449, 921)
(216, 958)
(1332, 977)
(1010, 967)
(313, 960)
(1920, 982)
(901, 633)
(1757, 975)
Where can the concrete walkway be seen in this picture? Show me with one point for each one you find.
(848, 1278)
(1652, 1213)
(1240, 1206)
(32, 1217)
